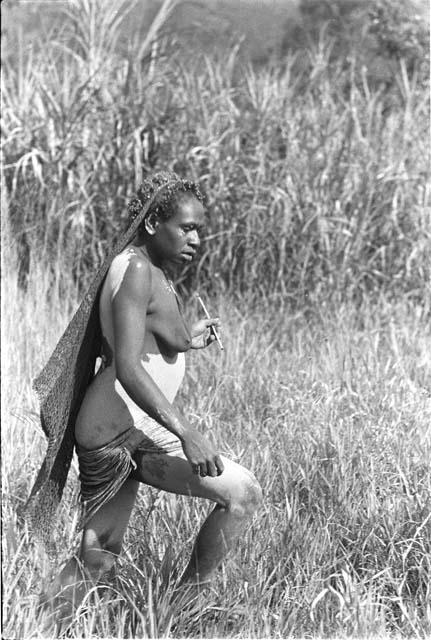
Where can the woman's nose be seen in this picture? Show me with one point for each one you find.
(194, 239)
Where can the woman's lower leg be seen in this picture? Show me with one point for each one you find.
(218, 534)
(100, 546)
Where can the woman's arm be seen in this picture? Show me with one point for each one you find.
(129, 307)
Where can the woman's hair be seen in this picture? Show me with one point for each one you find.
(161, 190)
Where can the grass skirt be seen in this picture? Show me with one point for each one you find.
(103, 471)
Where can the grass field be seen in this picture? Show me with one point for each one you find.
(317, 259)
(331, 411)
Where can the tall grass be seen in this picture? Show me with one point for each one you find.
(332, 414)
(314, 178)
(317, 258)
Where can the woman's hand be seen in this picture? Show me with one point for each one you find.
(201, 333)
(204, 459)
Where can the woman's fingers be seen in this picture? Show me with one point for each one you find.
(212, 322)
(219, 465)
(212, 468)
(203, 470)
(212, 471)
(202, 455)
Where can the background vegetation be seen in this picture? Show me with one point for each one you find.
(313, 154)
(314, 168)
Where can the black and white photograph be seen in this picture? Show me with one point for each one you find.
(215, 319)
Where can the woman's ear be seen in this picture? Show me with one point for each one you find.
(151, 223)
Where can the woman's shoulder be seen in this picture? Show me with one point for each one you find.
(131, 255)
(129, 267)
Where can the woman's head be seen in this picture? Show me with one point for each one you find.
(164, 191)
(174, 218)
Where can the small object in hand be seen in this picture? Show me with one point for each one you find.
(212, 329)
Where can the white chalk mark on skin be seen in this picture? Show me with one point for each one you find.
(118, 270)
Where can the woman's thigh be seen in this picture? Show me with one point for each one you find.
(172, 472)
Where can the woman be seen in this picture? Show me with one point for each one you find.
(127, 429)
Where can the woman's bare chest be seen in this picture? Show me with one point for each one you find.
(165, 319)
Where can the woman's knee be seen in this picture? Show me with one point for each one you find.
(99, 552)
(246, 495)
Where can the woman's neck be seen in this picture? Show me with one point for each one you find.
(150, 254)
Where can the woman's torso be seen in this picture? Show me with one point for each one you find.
(107, 410)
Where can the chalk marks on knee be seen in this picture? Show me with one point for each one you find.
(245, 493)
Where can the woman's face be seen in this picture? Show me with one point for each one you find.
(177, 239)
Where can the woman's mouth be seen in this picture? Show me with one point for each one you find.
(188, 254)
